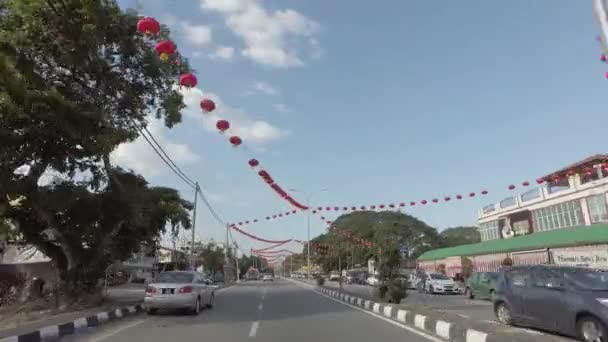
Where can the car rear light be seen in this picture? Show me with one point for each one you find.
(185, 289)
(150, 289)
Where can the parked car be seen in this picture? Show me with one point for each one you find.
(481, 285)
(334, 276)
(267, 277)
(439, 283)
(179, 290)
(568, 300)
(372, 280)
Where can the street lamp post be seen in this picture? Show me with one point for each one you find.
(308, 198)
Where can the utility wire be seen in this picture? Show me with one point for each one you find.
(158, 149)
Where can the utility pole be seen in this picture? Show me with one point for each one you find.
(236, 261)
(290, 265)
(192, 261)
(308, 237)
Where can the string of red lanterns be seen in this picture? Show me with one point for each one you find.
(270, 253)
(256, 237)
(271, 247)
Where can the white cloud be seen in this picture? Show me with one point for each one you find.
(222, 53)
(272, 37)
(199, 35)
(265, 88)
(279, 107)
(254, 132)
(140, 157)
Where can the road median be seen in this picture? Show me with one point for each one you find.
(446, 326)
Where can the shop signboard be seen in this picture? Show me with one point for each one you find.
(594, 258)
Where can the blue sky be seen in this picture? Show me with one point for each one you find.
(399, 101)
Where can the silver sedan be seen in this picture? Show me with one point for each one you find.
(179, 290)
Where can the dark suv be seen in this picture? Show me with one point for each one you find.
(569, 300)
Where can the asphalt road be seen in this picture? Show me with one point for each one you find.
(274, 311)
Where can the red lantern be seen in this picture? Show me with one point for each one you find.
(362, 207)
(280, 215)
(353, 208)
(322, 217)
(447, 198)
(268, 217)
(372, 207)
(222, 125)
(188, 80)
(603, 58)
(525, 183)
(314, 211)
(256, 220)
(246, 222)
(459, 197)
(287, 213)
(435, 200)
(293, 211)
(412, 203)
(336, 208)
(391, 205)
(424, 202)
(402, 204)
(381, 206)
(274, 216)
(207, 105)
(253, 162)
(327, 208)
(484, 192)
(319, 208)
(472, 194)
(240, 223)
(164, 49)
(511, 187)
(235, 141)
(148, 25)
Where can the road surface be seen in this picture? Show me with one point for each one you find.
(273, 311)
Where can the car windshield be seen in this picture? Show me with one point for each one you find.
(175, 277)
(589, 280)
(439, 276)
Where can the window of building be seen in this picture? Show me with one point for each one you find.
(508, 202)
(557, 186)
(560, 215)
(489, 230)
(597, 208)
(530, 195)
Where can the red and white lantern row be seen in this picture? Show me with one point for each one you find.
(256, 237)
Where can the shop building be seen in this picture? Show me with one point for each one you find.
(562, 221)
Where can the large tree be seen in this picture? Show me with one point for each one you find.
(77, 80)
(387, 229)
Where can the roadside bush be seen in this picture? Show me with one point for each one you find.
(382, 290)
(320, 281)
(10, 288)
(396, 291)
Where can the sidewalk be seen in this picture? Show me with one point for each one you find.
(23, 323)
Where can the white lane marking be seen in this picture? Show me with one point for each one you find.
(388, 320)
(475, 336)
(463, 316)
(114, 332)
(254, 329)
(261, 306)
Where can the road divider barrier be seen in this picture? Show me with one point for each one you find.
(436, 326)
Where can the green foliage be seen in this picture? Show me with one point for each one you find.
(212, 256)
(457, 236)
(75, 79)
(396, 291)
(386, 229)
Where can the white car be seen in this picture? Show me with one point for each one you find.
(179, 290)
(267, 277)
(440, 283)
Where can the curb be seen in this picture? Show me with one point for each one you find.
(448, 331)
(54, 332)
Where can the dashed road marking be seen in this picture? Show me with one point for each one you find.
(254, 329)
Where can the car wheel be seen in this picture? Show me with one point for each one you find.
(197, 306)
(503, 313)
(469, 293)
(211, 300)
(151, 311)
(590, 329)
(492, 295)
(430, 290)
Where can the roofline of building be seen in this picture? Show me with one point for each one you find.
(589, 161)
